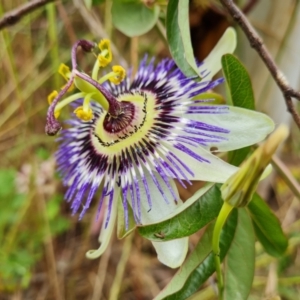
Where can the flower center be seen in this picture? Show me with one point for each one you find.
(115, 124)
(114, 134)
(91, 89)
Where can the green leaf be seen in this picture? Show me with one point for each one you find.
(200, 265)
(241, 94)
(267, 227)
(240, 259)
(133, 18)
(178, 36)
(238, 81)
(195, 213)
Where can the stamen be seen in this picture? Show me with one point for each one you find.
(116, 76)
(52, 125)
(57, 114)
(88, 86)
(52, 96)
(85, 112)
(120, 74)
(105, 57)
(64, 71)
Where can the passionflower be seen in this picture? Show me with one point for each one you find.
(131, 139)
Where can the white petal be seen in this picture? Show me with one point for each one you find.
(160, 209)
(106, 233)
(246, 127)
(216, 170)
(170, 253)
(226, 44)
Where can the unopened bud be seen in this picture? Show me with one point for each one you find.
(239, 188)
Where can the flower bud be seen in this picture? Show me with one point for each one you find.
(239, 188)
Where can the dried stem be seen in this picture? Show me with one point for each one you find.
(286, 175)
(14, 16)
(257, 43)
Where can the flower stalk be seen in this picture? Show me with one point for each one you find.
(222, 217)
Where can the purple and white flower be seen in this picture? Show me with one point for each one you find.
(133, 139)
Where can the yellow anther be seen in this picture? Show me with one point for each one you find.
(103, 61)
(119, 75)
(64, 71)
(56, 114)
(104, 45)
(84, 114)
(105, 57)
(52, 96)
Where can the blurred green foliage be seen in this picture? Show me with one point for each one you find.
(24, 227)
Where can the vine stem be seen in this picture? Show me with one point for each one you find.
(14, 16)
(257, 43)
(222, 217)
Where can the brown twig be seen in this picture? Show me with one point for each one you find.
(245, 9)
(14, 16)
(286, 175)
(257, 43)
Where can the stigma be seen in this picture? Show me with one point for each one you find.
(90, 89)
